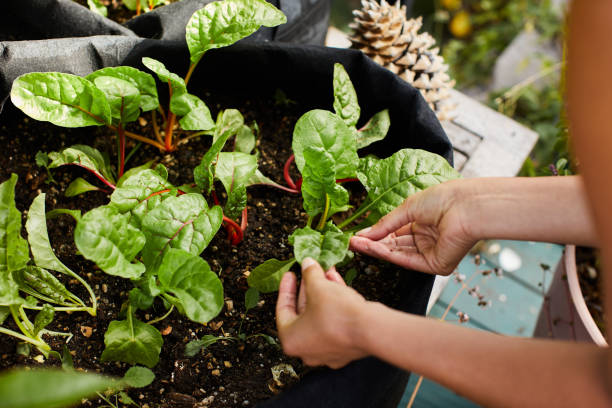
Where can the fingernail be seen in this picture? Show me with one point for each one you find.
(308, 262)
(364, 231)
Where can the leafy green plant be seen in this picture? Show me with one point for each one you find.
(134, 5)
(116, 96)
(21, 272)
(325, 146)
(153, 233)
(61, 388)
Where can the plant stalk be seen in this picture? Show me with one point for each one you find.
(325, 213)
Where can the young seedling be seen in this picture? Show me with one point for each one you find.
(325, 148)
(20, 272)
(134, 5)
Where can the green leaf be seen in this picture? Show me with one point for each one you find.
(62, 99)
(138, 377)
(42, 159)
(376, 129)
(222, 23)
(194, 346)
(235, 169)
(236, 202)
(390, 181)
(245, 140)
(132, 342)
(229, 122)
(43, 318)
(36, 225)
(267, 276)
(191, 280)
(105, 237)
(195, 114)
(34, 281)
(350, 276)
(183, 222)
(141, 80)
(67, 362)
(4, 313)
(328, 246)
(54, 388)
(140, 193)
(139, 299)
(97, 7)
(319, 184)
(345, 97)
(122, 96)
(176, 82)
(76, 214)
(133, 4)
(125, 399)
(82, 156)
(324, 130)
(134, 171)
(251, 298)
(14, 253)
(260, 178)
(79, 186)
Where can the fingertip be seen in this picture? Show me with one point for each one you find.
(334, 276)
(363, 232)
(288, 281)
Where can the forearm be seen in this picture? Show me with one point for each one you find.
(549, 209)
(490, 369)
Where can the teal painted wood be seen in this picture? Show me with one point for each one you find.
(511, 302)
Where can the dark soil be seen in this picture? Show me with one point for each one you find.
(591, 283)
(228, 373)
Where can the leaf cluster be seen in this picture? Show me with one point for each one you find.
(25, 269)
(326, 147)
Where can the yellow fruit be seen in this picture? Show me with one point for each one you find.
(451, 5)
(461, 25)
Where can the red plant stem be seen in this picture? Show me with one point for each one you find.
(121, 149)
(237, 235)
(95, 173)
(288, 178)
(214, 196)
(346, 180)
(179, 192)
(235, 232)
(298, 186)
(244, 221)
(170, 124)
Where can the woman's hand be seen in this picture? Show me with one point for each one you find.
(320, 324)
(429, 232)
(432, 230)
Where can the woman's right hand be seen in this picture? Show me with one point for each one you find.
(429, 231)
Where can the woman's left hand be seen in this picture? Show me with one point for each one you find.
(319, 324)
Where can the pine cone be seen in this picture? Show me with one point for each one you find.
(383, 33)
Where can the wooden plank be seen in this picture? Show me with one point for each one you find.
(460, 159)
(462, 139)
(505, 143)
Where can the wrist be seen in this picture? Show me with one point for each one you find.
(470, 200)
(365, 330)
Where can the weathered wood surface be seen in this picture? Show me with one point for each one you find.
(486, 143)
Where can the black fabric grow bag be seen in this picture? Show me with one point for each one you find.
(44, 19)
(304, 73)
